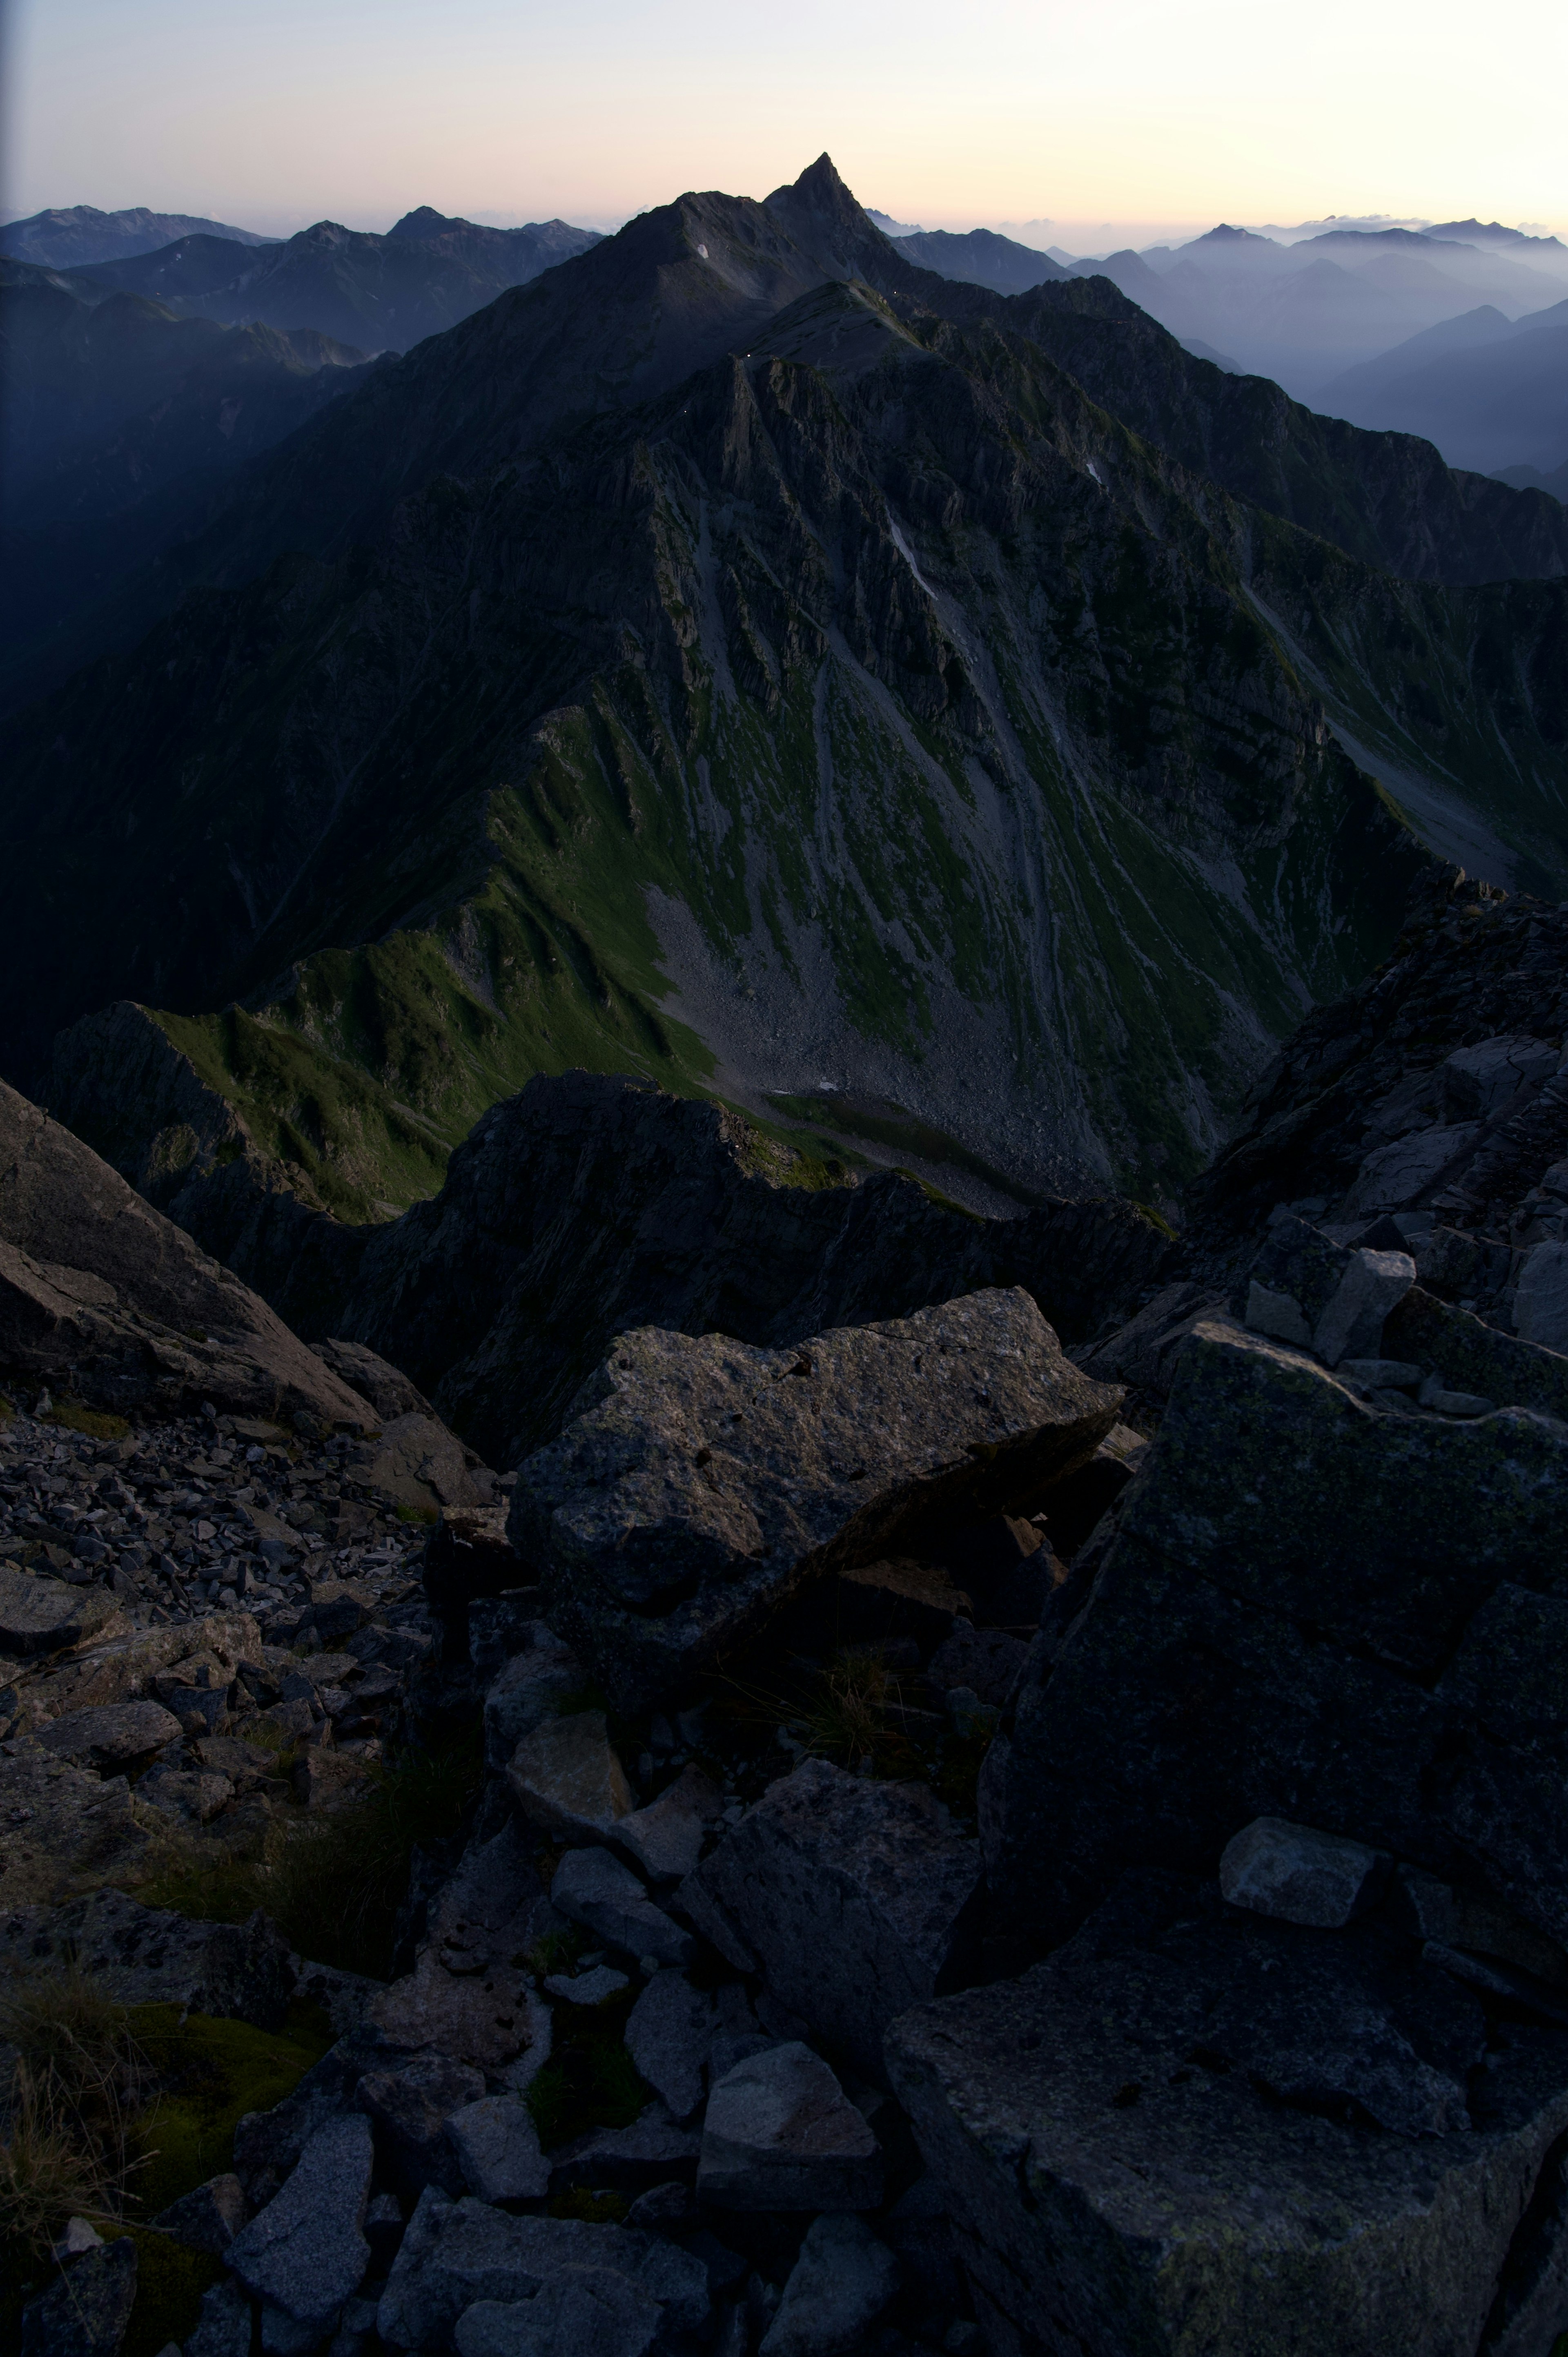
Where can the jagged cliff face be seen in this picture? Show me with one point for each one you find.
(873, 689)
(866, 706)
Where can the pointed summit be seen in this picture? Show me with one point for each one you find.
(827, 220)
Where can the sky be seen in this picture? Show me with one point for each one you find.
(1110, 122)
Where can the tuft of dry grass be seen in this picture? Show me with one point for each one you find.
(76, 2091)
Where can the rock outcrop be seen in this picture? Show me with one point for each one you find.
(703, 1481)
(101, 1294)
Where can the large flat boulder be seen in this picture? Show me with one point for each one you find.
(858, 1899)
(97, 1289)
(1315, 1610)
(1195, 2130)
(146, 1955)
(705, 1482)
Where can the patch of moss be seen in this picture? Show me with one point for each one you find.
(210, 2073)
(590, 2079)
(170, 2281)
(75, 1416)
(593, 2209)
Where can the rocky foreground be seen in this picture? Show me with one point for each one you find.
(980, 1846)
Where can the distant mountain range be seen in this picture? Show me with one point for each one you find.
(1491, 391)
(1308, 312)
(742, 656)
(379, 293)
(980, 258)
(72, 235)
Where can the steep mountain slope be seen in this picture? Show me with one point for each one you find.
(705, 663)
(1387, 498)
(1497, 399)
(74, 374)
(838, 688)
(382, 293)
(980, 258)
(69, 235)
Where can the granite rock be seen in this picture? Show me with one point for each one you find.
(781, 2133)
(117, 1735)
(595, 1889)
(409, 2109)
(149, 1955)
(306, 2252)
(665, 1839)
(85, 2312)
(838, 2288)
(1162, 2137)
(1300, 1875)
(702, 1481)
(585, 2311)
(497, 2148)
(860, 1899)
(668, 2035)
(567, 1781)
(207, 2219)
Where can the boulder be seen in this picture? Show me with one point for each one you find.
(567, 1781)
(781, 2133)
(490, 2018)
(97, 1289)
(417, 1462)
(838, 2288)
(86, 2309)
(592, 1988)
(207, 2219)
(668, 2035)
(1290, 1624)
(117, 1735)
(456, 2254)
(653, 2151)
(410, 2109)
(497, 2148)
(534, 1684)
(703, 1481)
(586, 2310)
(306, 2252)
(375, 1379)
(43, 1616)
(1192, 2129)
(665, 1839)
(227, 2323)
(859, 1899)
(1300, 1875)
(145, 1955)
(985, 1661)
(595, 1889)
(1541, 1297)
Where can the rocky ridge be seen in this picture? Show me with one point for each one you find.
(1072, 1856)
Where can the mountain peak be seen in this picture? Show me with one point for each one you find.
(424, 222)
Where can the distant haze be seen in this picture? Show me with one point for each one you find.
(1131, 124)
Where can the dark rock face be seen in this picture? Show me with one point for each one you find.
(707, 1481)
(1307, 1614)
(859, 1899)
(98, 1289)
(146, 1955)
(1191, 2129)
(86, 2312)
(585, 1206)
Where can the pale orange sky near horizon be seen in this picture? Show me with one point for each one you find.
(1117, 124)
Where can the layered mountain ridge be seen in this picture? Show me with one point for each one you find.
(742, 658)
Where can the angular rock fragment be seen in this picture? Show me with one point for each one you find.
(305, 2252)
(147, 1956)
(409, 2109)
(594, 1988)
(781, 2133)
(116, 1738)
(653, 2151)
(207, 2219)
(567, 1781)
(1294, 1574)
(456, 2254)
(85, 2311)
(533, 1686)
(710, 1480)
(497, 2148)
(838, 2288)
(665, 1839)
(595, 1889)
(586, 2310)
(491, 2018)
(858, 1898)
(1372, 1288)
(1541, 1297)
(40, 1616)
(669, 2034)
(227, 2324)
(1300, 1875)
(1142, 2140)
